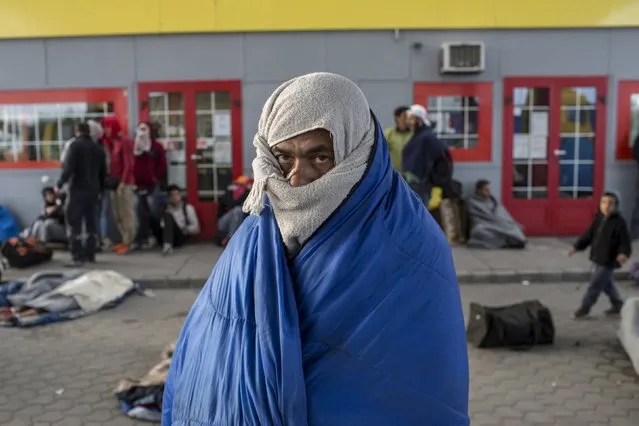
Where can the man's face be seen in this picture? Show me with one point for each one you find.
(143, 131)
(413, 122)
(175, 197)
(485, 191)
(49, 197)
(402, 122)
(305, 158)
(607, 205)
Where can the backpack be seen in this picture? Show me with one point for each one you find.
(25, 252)
(519, 326)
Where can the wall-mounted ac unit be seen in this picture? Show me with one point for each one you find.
(462, 58)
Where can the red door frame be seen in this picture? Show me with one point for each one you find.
(117, 96)
(484, 92)
(550, 216)
(207, 211)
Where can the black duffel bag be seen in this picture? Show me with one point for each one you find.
(519, 326)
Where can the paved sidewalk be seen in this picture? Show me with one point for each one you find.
(64, 374)
(544, 260)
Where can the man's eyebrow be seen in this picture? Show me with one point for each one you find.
(281, 150)
(321, 149)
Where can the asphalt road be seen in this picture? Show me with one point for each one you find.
(64, 374)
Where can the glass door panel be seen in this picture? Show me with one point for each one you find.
(576, 153)
(213, 144)
(166, 110)
(531, 125)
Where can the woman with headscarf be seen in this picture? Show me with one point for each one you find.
(336, 302)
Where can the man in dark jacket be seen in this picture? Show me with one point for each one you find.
(426, 160)
(610, 248)
(84, 169)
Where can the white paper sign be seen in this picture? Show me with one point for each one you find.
(222, 153)
(521, 146)
(539, 147)
(540, 124)
(222, 124)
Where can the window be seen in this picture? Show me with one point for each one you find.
(461, 115)
(34, 125)
(627, 118)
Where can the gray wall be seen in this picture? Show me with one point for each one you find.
(385, 67)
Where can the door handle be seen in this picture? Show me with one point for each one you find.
(559, 152)
(196, 157)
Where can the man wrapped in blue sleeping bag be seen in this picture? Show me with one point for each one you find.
(336, 303)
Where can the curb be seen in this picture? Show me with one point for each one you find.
(463, 277)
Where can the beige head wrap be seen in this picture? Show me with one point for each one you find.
(314, 101)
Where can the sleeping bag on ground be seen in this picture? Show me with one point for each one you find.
(362, 327)
(8, 225)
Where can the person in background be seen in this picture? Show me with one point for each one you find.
(634, 221)
(84, 169)
(230, 214)
(610, 248)
(426, 160)
(49, 226)
(120, 180)
(179, 222)
(398, 136)
(150, 165)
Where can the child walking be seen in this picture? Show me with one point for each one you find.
(610, 247)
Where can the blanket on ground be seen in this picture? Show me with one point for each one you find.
(52, 296)
(142, 398)
(362, 327)
(492, 227)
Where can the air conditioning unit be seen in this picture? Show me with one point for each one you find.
(462, 58)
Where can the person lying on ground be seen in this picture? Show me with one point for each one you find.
(230, 214)
(491, 226)
(336, 302)
(49, 227)
(179, 222)
(610, 247)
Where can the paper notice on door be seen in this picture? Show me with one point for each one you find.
(540, 123)
(222, 124)
(521, 147)
(222, 153)
(539, 148)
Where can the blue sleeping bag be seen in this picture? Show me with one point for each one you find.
(363, 327)
(8, 225)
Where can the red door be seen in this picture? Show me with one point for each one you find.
(553, 150)
(201, 129)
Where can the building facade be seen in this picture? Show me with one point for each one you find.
(549, 121)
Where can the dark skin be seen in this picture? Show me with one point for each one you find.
(305, 158)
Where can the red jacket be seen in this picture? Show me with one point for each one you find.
(150, 167)
(120, 150)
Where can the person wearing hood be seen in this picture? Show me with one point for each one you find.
(149, 168)
(84, 169)
(304, 320)
(610, 247)
(49, 227)
(120, 180)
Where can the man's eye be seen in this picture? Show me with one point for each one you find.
(283, 158)
(321, 159)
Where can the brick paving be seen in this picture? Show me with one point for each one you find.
(64, 374)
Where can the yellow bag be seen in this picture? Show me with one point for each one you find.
(435, 198)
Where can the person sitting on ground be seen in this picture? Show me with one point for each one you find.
(179, 222)
(491, 226)
(610, 247)
(230, 214)
(336, 302)
(49, 227)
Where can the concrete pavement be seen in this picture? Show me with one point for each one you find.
(544, 260)
(63, 374)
